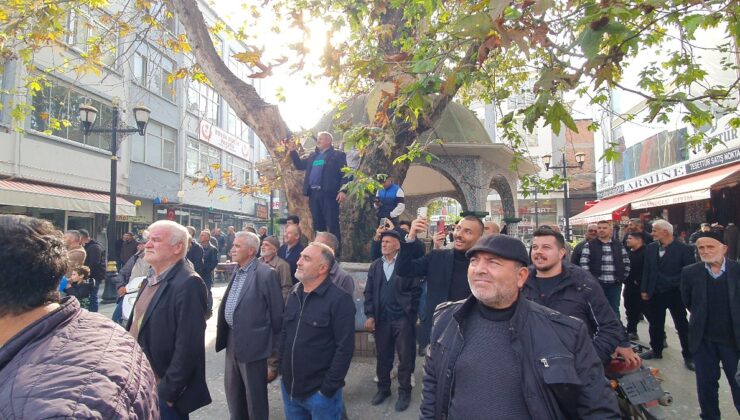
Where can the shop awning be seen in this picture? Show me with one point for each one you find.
(694, 188)
(604, 209)
(19, 193)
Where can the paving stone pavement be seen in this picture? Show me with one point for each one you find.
(360, 387)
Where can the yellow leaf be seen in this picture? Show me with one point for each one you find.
(248, 57)
(216, 166)
(223, 198)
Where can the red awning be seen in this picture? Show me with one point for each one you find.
(604, 209)
(693, 188)
(20, 193)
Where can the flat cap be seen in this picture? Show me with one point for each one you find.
(504, 246)
(392, 233)
(711, 234)
(272, 241)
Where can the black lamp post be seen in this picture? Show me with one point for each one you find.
(87, 116)
(580, 158)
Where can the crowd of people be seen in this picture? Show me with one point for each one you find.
(506, 331)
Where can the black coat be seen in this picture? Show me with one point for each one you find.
(437, 267)
(210, 261)
(195, 256)
(292, 259)
(562, 377)
(407, 291)
(258, 316)
(172, 335)
(694, 295)
(317, 340)
(664, 274)
(580, 295)
(332, 178)
(95, 260)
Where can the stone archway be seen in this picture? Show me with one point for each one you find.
(425, 182)
(503, 188)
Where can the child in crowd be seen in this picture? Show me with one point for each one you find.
(79, 285)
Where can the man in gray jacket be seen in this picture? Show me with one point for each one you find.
(113, 379)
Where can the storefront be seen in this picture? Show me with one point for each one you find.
(703, 190)
(201, 218)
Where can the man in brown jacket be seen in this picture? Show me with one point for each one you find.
(75, 252)
(269, 256)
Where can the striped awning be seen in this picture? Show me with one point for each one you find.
(27, 194)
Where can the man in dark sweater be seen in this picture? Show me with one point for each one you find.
(390, 305)
(291, 249)
(95, 259)
(445, 269)
(633, 304)
(710, 290)
(498, 356)
(661, 277)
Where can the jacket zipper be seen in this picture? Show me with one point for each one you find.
(292, 348)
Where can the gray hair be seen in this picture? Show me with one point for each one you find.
(328, 239)
(207, 233)
(178, 233)
(75, 234)
(325, 133)
(663, 224)
(250, 239)
(327, 254)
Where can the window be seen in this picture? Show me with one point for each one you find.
(200, 158)
(164, 16)
(203, 101)
(157, 148)
(87, 34)
(240, 169)
(235, 126)
(56, 110)
(151, 70)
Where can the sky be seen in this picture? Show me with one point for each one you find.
(305, 103)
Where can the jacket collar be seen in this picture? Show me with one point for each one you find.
(470, 303)
(567, 271)
(160, 290)
(321, 290)
(42, 327)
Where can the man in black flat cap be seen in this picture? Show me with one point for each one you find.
(519, 360)
(391, 302)
(710, 289)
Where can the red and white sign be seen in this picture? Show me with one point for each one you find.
(219, 138)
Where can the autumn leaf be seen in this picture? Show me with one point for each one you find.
(248, 57)
(215, 166)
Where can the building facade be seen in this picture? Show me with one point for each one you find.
(51, 169)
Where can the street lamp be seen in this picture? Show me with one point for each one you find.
(580, 159)
(88, 115)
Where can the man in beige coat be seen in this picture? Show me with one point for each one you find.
(268, 252)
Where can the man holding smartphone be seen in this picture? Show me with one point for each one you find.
(445, 269)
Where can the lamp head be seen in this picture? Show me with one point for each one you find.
(87, 117)
(580, 159)
(546, 160)
(141, 115)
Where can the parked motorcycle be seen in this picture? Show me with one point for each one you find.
(639, 393)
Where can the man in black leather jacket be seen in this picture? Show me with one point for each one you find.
(496, 355)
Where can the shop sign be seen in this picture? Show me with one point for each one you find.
(132, 219)
(710, 162)
(260, 210)
(221, 139)
(276, 205)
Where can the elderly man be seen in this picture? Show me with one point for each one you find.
(291, 249)
(661, 279)
(490, 227)
(591, 233)
(391, 302)
(210, 261)
(249, 321)
(496, 355)
(323, 182)
(75, 252)
(337, 275)
(100, 373)
(711, 291)
(169, 322)
(318, 339)
(269, 248)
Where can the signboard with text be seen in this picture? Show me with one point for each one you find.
(221, 139)
(261, 211)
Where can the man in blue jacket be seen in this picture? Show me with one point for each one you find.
(390, 201)
(323, 182)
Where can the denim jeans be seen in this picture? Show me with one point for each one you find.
(118, 311)
(613, 292)
(313, 407)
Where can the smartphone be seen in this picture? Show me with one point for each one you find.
(384, 222)
(422, 212)
(440, 225)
